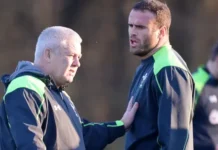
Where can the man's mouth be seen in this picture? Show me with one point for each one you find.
(133, 43)
(72, 72)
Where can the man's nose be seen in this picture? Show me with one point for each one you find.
(133, 31)
(76, 62)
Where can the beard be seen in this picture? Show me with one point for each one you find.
(143, 49)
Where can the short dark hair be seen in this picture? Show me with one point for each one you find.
(214, 52)
(160, 9)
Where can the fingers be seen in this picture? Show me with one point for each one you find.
(135, 107)
(130, 104)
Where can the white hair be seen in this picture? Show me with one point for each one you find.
(54, 37)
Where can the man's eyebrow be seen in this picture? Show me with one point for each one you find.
(72, 53)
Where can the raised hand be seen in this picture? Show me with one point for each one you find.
(129, 114)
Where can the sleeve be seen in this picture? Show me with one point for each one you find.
(175, 97)
(1, 133)
(98, 135)
(25, 111)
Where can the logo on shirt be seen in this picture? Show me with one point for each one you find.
(213, 98)
(74, 109)
(213, 117)
(57, 107)
(72, 105)
(144, 77)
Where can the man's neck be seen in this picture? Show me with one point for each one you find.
(46, 71)
(212, 68)
(41, 67)
(153, 51)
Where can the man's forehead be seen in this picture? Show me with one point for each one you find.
(141, 16)
(71, 47)
(70, 43)
(76, 49)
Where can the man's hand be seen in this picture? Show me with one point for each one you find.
(129, 114)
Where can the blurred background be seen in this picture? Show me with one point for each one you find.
(101, 86)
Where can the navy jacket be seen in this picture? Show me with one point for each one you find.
(205, 122)
(35, 114)
(164, 88)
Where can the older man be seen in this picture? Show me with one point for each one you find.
(36, 112)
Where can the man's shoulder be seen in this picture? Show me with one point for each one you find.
(200, 74)
(200, 77)
(27, 82)
(168, 57)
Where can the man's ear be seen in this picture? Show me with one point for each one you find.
(162, 32)
(47, 55)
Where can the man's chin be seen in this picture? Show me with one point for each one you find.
(134, 51)
(141, 54)
(69, 80)
(138, 53)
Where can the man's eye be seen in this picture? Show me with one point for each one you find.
(71, 55)
(140, 27)
(130, 25)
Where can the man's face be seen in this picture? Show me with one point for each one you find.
(143, 32)
(66, 62)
